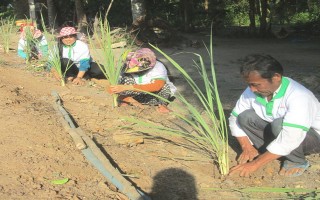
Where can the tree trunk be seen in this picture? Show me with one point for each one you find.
(252, 18)
(32, 11)
(206, 6)
(263, 18)
(52, 14)
(138, 9)
(81, 16)
(187, 7)
(258, 10)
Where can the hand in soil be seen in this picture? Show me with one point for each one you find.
(78, 81)
(248, 154)
(244, 170)
(115, 89)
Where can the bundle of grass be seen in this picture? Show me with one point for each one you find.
(6, 30)
(28, 32)
(53, 59)
(207, 129)
(101, 43)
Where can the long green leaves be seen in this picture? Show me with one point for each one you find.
(296, 193)
(102, 45)
(6, 29)
(53, 58)
(205, 127)
(30, 42)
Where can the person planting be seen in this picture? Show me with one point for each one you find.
(32, 43)
(143, 72)
(275, 117)
(76, 61)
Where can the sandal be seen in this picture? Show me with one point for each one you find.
(287, 165)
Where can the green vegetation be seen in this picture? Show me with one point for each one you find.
(290, 193)
(7, 28)
(53, 59)
(208, 124)
(102, 46)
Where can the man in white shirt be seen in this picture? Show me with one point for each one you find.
(274, 117)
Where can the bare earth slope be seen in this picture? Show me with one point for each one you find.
(35, 149)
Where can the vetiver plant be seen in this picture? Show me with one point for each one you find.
(53, 58)
(109, 64)
(30, 42)
(284, 193)
(6, 30)
(209, 127)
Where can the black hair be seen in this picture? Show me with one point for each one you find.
(265, 65)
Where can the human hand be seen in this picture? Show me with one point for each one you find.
(115, 89)
(78, 81)
(248, 154)
(244, 170)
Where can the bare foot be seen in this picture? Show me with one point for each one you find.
(123, 104)
(163, 109)
(131, 101)
(70, 79)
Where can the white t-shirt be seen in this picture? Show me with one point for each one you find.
(42, 42)
(159, 71)
(77, 52)
(297, 105)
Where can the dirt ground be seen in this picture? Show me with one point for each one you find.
(36, 149)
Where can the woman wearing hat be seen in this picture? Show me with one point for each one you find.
(38, 45)
(75, 57)
(143, 72)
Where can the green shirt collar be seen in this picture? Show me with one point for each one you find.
(269, 105)
(69, 46)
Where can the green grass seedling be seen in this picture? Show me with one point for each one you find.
(109, 64)
(6, 30)
(53, 58)
(291, 193)
(209, 127)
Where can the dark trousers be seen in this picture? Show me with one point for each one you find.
(72, 70)
(261, 133)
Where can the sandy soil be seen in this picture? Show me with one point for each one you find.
(36, 149)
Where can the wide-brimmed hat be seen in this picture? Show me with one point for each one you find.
(65, 31)
(140, 60)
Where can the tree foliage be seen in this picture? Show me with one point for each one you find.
(183, 15)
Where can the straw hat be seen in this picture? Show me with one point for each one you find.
(67, 31)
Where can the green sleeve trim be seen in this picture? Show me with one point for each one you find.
(295, 126)
(85, 59)
(234, 114)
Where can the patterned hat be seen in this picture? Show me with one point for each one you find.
(67, 31)
(140, 60)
